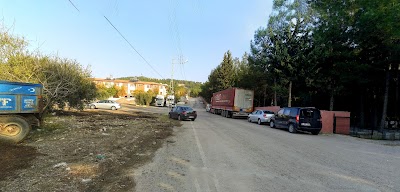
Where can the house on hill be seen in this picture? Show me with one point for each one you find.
(131, 86)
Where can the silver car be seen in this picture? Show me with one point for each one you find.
(105, 104)
(260, 116)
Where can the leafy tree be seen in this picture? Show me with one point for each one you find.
(102, 92)
(180, 91)
(143, 98)
(289, 31)
(358, 41)
(64, 81)
(121, 91)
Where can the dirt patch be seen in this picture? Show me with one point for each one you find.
(83, 151)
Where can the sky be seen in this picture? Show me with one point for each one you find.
(161, 31)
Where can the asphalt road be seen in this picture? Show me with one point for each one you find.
(219, 154)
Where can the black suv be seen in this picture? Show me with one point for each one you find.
(298, 118)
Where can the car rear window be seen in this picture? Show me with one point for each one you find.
(187, 109)
(269, 112)
(310, 113)
(293, 112)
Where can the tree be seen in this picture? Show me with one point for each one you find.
(121, 91)
(359, 43)
(102, 92)
(220, 78)
(226, 73)
(143, 98)
(180, 91)
(289, 31)
(64, 81)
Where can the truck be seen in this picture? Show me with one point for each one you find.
(21, 108)
(160, 101)
(232, 102)
(170, 101)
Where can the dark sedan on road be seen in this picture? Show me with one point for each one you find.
(182, 113)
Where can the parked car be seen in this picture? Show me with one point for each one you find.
(105, 104)
(260, 116)
(182, 113)
(208, 107)
(298, 118)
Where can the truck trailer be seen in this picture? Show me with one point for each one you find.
(233, 102)
(20, 108)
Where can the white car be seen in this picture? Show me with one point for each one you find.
(105, 104)
(261, 116)
(208, 107)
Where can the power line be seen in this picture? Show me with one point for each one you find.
(74, 5)
(133, 47)
(176, 35)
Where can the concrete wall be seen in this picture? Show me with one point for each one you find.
(327, 121)
(342, 122)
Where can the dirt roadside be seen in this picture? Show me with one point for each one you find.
(91, 150)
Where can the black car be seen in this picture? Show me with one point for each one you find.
(298, 118)
(182, 113)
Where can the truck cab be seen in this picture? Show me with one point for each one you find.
(170, 102)
(159, 101)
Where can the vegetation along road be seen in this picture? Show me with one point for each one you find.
(214, 153)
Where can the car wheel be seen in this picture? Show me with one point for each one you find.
(272, 124)
(169, 115)
(179, 118)
(113, 108)
(93, 106)
(315, 132)
(259, 122)
(248, 119)
(193, 119)
(292, 129)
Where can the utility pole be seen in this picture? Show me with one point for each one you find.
(171, 83)
(181, 61)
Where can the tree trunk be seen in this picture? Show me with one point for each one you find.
(290, 94)
(265, 93)
(275, 99)
(385, 102)
(375, 114)
(362, 114)
(396, 112)
(331, 101)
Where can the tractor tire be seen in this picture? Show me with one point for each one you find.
(13, 129)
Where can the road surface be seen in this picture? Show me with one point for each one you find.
(219, 154)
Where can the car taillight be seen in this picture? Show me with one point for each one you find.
(297, 118)
(265, 115)
(184, 112)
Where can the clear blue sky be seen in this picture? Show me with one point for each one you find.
(201, 30)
